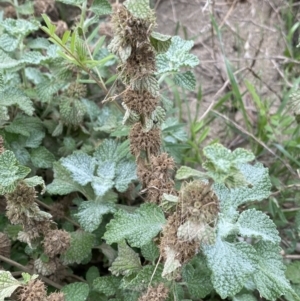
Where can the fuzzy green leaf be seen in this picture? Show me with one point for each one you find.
(150, 251)
(160, 42)
(35, 181)
(108, 285)
(25, 126)
(259, 189)
(177, 56)
(63, 182)
(10, 171)
(198, 278)
(72, 111)
(244, 297)
(111, 150)
(137, 228)
(38, 43)
(80, 248)
(101, 185)
(19, 27)
(232, 264)
(104, 181)
(7, 62)
(270, 278)
(138, 8)
(223, 159)
(101, 7)
(77, 291)
(148, 274)
(15, 97)
(90, 213)
(185, 80)
(81, 166)
(253, 223)
(185, 172)
(8, 284)
(127, 262)
(42, 158)
(8, 43)
(148, 83)
(126, 173)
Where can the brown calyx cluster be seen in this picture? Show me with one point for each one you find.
(156, 178)
(157, 293)
(38, 227)
(132, 43)
(35, 290)
(193, 222)
(142, 103)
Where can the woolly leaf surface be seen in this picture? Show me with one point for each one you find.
(80, 248)
(77, 291)
(15, 97)
(90, 214)
(138, 8)
(81, 167)
(253, 223)
(177, 56)
(197, 276)
(258, 178)
(41, 157)
(140, 281)
(19, 27)
(8, 284)
(111, 150)
(63, 182)
(150, 251)
(127, 262)
(107, 285)
(244, 297)
(270, 278)
(185, 172)
(137, 228)
(232, 264)
(8, 43)
(35, 181)
(126, 173)
(101, 7)
(223, 158)
(185, 80)
(160, 42)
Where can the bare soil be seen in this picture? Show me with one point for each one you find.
(253, 40)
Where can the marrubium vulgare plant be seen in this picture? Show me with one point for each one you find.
(137, 45)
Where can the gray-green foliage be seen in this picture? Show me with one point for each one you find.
(49, 130)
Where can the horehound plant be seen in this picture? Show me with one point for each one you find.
(180, 244)
(136, 45)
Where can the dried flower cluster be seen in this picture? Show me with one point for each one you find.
(35, 290)
(141, 99)
(156, 179)
(192, 223)
(158, 293)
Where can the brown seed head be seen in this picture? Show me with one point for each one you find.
(56, 242)
(35, 290)
(4, 245)
(56, 297)
(144, 141)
